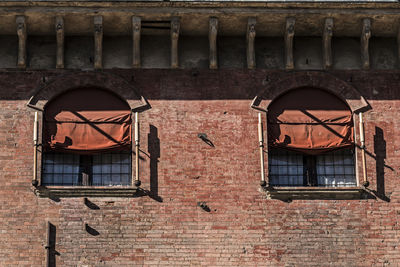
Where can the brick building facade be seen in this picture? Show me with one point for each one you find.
(200, 202)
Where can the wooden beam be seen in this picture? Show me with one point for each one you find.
(250, 37)
(365, 35)
(327, 43)
(136, 32)
(175, 27)
(98, 42)
(289, 35)
(60, 42)
(22, 36)
(212, 36)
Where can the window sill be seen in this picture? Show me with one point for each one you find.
(339, 193)
(87, 191)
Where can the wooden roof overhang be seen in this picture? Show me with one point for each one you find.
(194, 16)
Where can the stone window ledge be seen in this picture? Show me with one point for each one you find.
(291, 193)
(87, 191)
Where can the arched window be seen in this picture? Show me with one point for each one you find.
(87, 139)
(310, 139)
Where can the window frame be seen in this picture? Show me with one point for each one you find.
(54, 86)
(85, 171)
(340, 89)
(289, 193)
(57, 191)
(310, 163)
(357, 151)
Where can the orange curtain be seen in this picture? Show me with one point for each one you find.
(87, 121)
(309, 120)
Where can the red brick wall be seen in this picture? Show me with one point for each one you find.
(168, 228)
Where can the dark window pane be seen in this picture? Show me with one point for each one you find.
(69, 169)
(108, 169)
(286, 168)
(338, 171)
(59, 168)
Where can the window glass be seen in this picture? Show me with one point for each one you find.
(102, 169)
(111, 169)
(285, 168)
(60, 169)
(332, 169)
(336, 171)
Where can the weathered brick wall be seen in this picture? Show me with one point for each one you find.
(167, 227)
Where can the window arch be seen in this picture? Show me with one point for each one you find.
(87, 139)
(310, 139)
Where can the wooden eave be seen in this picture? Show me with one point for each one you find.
(194, 16)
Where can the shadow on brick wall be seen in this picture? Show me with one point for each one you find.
(380, 156)
(153, 154)
(153, 147)
(51, 246)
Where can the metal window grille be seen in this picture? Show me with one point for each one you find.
(333, 169)
(336, 168)
(99, 170)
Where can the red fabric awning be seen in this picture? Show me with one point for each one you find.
(309, 120)
(87, 121)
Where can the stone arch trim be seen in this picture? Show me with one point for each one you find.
(103, 80)
(316, 79)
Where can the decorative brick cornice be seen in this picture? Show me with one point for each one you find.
(74, 80)
(314, 79)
